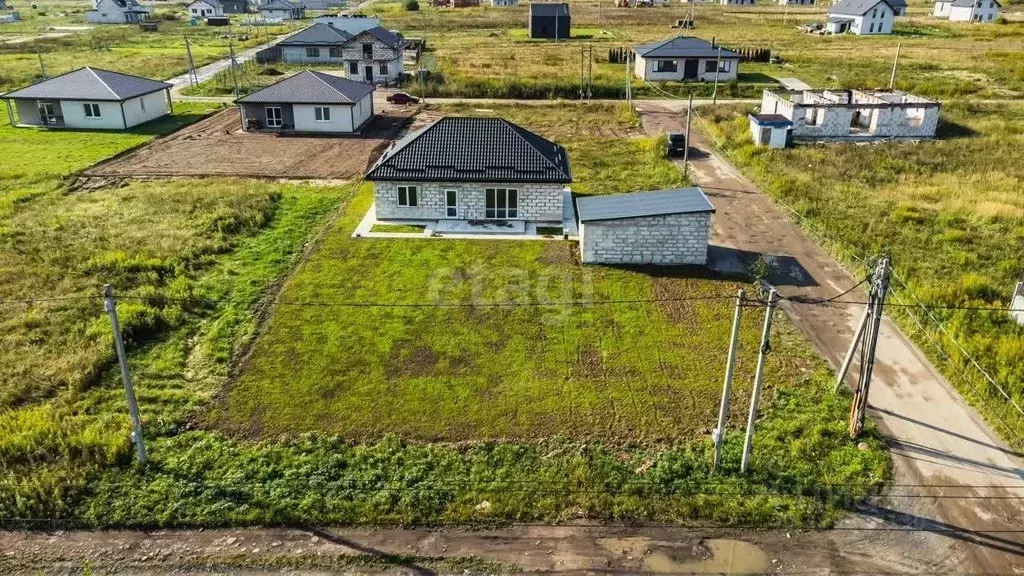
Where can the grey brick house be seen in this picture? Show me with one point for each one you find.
(372, 55)
(462, 168)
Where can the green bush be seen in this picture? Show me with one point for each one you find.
(412, 5)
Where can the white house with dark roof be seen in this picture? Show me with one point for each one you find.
(309, 102)
(91, 99)
(983, 11)
(282, 10)
(685, 58)
(117, 12)
(371, 55)
(205, 8)
(861, 17)
(472, 169)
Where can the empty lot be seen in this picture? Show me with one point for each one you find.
(217, 146)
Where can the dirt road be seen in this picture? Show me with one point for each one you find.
(935, 438)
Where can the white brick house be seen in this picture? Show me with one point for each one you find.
(459, 168)
(983, 11)
(372, 55)
(685, 58)
(663, 227)
(861, 17)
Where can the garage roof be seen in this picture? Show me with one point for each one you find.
(90, 84)
(310, 87)
(642, 204)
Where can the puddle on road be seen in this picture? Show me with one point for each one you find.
(726, 557)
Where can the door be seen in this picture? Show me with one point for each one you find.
(766, 135)
(690, 68)
(47, 113)
(368, 73)
(451, 203)
(274, 117)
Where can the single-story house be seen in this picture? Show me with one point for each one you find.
(967, 10)
(309, 102)
(504, 3)
(736, 2)
(117, 12)
(685, 58)
(796, 2)
(462, 168)
(666, 227)
(204, 8)
(549, 20)
(282, 10)
(89, 98)
(771, 130)
(861, 17)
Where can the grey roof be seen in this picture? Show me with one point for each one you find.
(641, 204)
(90, 84)
(281, 5)
(386, 36)
(771, 119)
(856, 7)
(966, 3)
(461, 149)
(317, 35)
(683, 47)
(309, 87)
(897, 3)
(549, 9)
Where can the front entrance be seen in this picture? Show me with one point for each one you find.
(451, 203)
(48, 114)
(368, 73)
(690, 69)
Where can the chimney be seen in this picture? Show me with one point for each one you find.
(712, 41)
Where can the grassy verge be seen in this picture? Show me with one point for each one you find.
(949, 212)
(398, 228)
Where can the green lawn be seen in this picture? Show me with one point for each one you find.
(951, 214)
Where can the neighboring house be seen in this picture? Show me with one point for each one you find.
(549, 20)
(309, 102)
(967, 10)
(736, 2)
(316, 44)
(352, 24)
(373, 55)
(899, 7)
(282, 10)
(860, 17)
(663, 227)
(321, 4)
(204, 8)
(685, 58)
(89, 98)
(471, 169)
(796, 2)
(117, 12)
(504, 3)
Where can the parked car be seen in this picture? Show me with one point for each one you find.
(402, 98)
(676, 144)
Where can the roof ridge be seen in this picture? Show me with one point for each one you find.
(105, 85)
(516, 130)
(319, 76)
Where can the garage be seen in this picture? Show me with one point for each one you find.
(666, 227)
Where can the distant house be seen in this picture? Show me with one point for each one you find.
(205, 8)
(282, 10)
(736, 2)
(661, 227)
(967, 10)
(549, 20)
(371, 55)
(796, 2)
(322, 4)
(89, 98)
(352, 24)
(685, 58)
(504, 3)
(117, 12)
(899, 7)
(472, 169)
(318, 43)
(861, 17)
(309, 102)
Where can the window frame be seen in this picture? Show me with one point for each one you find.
(367, 53)
(312, 51)
(336, 51)
(382, 68)
(501, 203)
(279, 119)
(92, 111)
(322, 114)
(408, 196)
(661, 66)
(353, 67)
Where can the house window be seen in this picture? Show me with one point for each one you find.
(353, 68)
(367, 51)
(312, 52)
(383, 68)
(336, 51)
(666, 65)
(142, 103)
(407, 196)
(725, 66)
(92, 110)
(274, 117)
(322, 113)
(872, 28)
(709, 66)
(874, 12)
(501, 203)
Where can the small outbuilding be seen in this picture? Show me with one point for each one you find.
(665, 227)
(771, 130)
(309, 102)
(549, 20)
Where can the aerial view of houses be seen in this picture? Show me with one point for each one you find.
(511, 286)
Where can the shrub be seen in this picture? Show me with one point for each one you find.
(412, 5)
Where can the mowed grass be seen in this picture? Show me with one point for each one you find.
(950, 213)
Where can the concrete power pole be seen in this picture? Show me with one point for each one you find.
(718, 67)
(686, 144)
(876, 304)
(755, 397)
(133, 407)
(629, 80)
(892, 77)
(42, 67)
(718, 437)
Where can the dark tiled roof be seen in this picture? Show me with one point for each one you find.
(460, 149)
(641, 204)
(384, 35)
(683, 47)
(855, 7)
(311, 87)
(770, 119)
(897, 3)
(316, 35)
(549, 9)
(90, 84)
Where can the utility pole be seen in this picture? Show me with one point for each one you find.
(718, 66)
(686, 144)
(718, 437)
(629, 80)
(892, 77)
(857, 335)
(42, 67)
(193, 78)
(876, 304)
(755, 397)
(590, 72)
(581, 73)
(231, 48)
(133, 407)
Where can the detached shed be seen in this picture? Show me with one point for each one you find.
(549, 20)
(658, 227)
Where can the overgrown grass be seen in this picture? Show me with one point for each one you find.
(949, 212)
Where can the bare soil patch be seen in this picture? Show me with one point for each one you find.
(217, 146)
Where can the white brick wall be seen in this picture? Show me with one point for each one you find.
(670, 239)
(537, 202)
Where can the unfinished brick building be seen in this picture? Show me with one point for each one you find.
(854, 115)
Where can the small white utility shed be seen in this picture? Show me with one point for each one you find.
(770, 130)
(665, 227)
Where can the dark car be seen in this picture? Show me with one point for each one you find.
(676, 144)
(402, 98)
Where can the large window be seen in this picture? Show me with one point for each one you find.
(274, 117)
(353, 68)
(666, 65)
(92, 110)
(367, 51)
(501, 203)
(407, 196)
(312, 51)
(322, 113)
(383, 68)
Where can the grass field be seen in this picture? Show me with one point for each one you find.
(951, 214)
